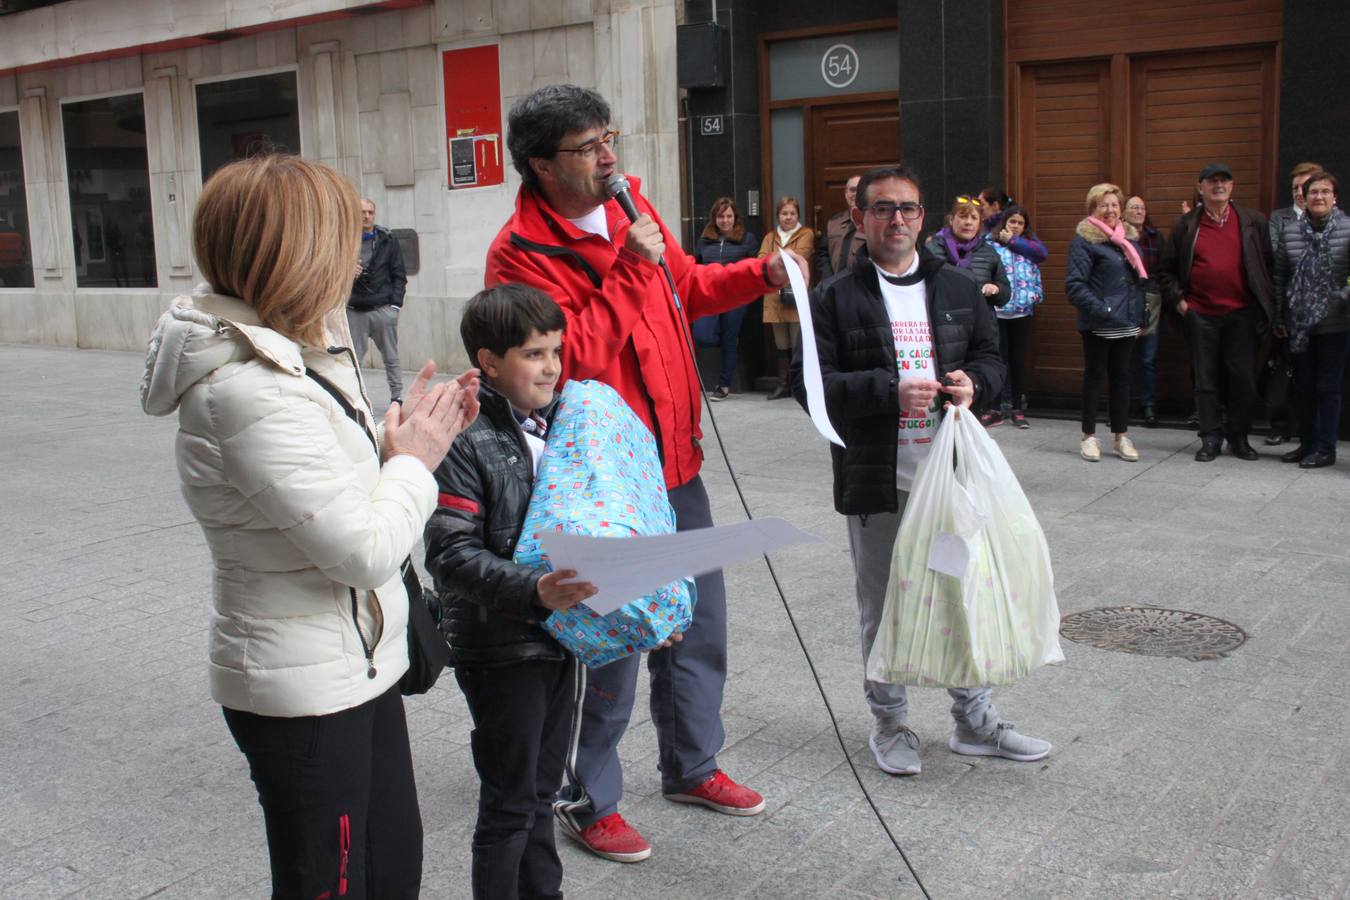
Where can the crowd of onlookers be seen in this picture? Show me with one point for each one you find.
(1263, 306)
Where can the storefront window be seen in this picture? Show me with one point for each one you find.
(243, 117)
(16, 259)
(109, 177)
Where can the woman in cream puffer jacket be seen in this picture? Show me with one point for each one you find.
(308, 515)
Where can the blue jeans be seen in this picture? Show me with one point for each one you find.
(1318, 372)
(686, 694)
(723, 331)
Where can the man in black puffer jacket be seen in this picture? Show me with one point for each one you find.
(893, 333)
(377, 296)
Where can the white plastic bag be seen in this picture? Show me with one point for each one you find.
(971, 598)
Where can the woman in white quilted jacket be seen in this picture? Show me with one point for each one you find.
(306, 522)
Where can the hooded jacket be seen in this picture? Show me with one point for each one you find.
(1101, 283)
(623, 327)
(858, 369)
(306, 529)
(491, 614)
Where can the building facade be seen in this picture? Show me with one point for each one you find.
(112, 114)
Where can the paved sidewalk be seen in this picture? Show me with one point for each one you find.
(1227, 778)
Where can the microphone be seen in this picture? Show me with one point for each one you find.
(616, 186)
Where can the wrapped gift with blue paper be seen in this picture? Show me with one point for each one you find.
(600, 475)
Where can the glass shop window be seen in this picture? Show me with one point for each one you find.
(16, 258)
(243, 117)
(109, 177)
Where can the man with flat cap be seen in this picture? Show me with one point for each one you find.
(1215, 271)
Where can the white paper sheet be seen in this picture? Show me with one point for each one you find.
(815, 390)
(950, 555)
(625, 569)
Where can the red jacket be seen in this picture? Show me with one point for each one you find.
(622, 326)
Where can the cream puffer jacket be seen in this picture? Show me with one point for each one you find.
(306, 528)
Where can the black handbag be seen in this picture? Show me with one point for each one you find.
(428, 654)
(786, 298)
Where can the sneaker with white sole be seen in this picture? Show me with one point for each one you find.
(609, 838)
(1090, 449)
(1002, 740)
(1125, 449)
(722, 794)
(895, 748)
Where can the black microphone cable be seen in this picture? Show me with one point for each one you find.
(773, 575)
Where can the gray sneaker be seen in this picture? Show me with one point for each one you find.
(1002, 740)
(895, 748)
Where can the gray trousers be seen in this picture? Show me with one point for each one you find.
(871, 540)
(686, 694)
(380, 323)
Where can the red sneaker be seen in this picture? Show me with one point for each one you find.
(609, 838)
(724, 795)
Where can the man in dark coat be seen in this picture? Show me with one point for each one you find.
(894, 333)
(377, 296)
(1215, 271)
(842, 240)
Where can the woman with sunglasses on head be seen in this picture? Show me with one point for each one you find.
(1312, 307)
(1021, 253)
(724, 240)
(1105, 279)
(780, 307)
(961, 243)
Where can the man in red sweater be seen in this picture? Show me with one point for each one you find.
(625, 328)
(1215, 271)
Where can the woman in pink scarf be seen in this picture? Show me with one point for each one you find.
(1104, 279)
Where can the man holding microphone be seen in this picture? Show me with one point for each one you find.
(627, 328)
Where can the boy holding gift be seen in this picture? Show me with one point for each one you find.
(518, 681)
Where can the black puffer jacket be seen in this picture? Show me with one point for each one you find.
(1100, 282)
(857, 366)
(491, 614)
(985, 268)
(385, 278)
(720, 250)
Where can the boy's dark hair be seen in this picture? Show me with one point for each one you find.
(881, 174)
(537, 122)
(504, 316)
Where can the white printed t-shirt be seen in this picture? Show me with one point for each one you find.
(907, 308)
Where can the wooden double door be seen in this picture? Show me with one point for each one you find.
(1148, 124)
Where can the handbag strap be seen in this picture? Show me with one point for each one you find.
(406, 569)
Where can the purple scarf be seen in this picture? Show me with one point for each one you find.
(960, 254)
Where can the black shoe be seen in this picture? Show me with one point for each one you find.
(721, 392)
(1208, 450)
(1193, 420)
(1296, 455)
(1276, 439)
(779, 392)
(1240, 448)
(1317, 460)
(1150, 416)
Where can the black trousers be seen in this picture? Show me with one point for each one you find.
(1318, 373)
(1012, 344)
(1224, 352)
(1107, 358)
(339, 800)
(522, 723)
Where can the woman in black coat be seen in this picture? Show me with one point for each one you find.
(724, 240)
(1105, 280)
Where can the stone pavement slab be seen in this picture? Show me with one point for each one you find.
(1226, 778)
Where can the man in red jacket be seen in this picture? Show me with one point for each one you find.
(626, 329)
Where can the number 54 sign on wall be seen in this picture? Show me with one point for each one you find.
(839, 66)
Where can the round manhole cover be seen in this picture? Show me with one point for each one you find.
(1152, 631)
